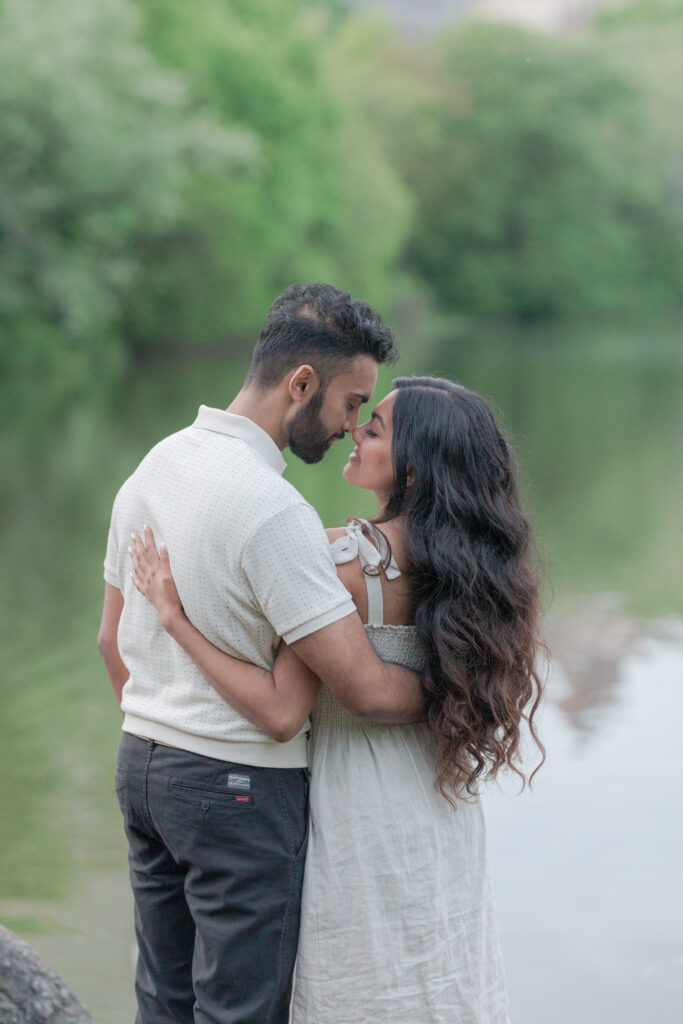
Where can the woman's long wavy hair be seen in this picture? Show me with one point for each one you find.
(476, 593)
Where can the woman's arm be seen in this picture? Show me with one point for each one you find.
(278, 702)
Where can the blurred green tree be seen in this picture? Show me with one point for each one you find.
(539, 189)
(642, 12)
(165, 170)
(644, 40)
(313, 202)
(95, 143)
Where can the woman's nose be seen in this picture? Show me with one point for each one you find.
(356, 433)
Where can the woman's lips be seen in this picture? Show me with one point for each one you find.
(354, 456)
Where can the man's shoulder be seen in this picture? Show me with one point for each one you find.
(252, 492)
(286, 493)
(244, 486)
(285, 518)
(282, 505)
(221, 459)
(159, 451)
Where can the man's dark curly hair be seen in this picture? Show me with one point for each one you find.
(320, 325)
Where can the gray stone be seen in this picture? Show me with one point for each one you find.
(30, 992)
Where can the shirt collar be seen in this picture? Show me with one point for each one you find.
(228, 423)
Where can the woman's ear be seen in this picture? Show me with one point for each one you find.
(410, 476)
(303, 383)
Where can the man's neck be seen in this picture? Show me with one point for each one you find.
(265, 409)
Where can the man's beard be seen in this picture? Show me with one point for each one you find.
(306, 432)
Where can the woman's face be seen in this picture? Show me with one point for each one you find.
(370, 464)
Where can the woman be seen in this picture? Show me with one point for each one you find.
(398, 923)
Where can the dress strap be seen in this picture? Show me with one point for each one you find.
(371, 555)
(355, 544)
(373, 585)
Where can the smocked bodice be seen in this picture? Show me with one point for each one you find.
(399, 644)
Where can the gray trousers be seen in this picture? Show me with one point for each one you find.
(216, 864)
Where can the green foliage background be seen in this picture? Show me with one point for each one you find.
(167, 168)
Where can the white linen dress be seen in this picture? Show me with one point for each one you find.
(398, 920)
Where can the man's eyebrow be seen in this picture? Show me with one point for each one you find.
(376, 416)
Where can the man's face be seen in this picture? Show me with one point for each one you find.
(332, 411)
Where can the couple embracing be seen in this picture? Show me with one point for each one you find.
(294, 698)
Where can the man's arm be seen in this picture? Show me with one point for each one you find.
(295, 585)
(107, 638)
(346, 662)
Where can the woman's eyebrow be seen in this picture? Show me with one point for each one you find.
(376, 416)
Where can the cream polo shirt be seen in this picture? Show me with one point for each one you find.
(252, 564)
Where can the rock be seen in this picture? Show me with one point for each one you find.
(30, 992)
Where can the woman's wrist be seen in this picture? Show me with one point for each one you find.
(172, 617)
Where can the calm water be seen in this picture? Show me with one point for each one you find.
(585, 865)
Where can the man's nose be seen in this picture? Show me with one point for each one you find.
(351, 422)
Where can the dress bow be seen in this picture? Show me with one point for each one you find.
(354, 544)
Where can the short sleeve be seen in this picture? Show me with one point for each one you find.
(111, 559)
(291, 571)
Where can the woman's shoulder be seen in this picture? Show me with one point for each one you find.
(347, 540)
(344, 546)
(336, 533)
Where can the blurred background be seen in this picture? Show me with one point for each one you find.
(504, 182)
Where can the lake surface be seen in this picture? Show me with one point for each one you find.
(586, 864)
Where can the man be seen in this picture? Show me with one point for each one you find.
(215, 811)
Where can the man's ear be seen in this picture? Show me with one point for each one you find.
(303, 383)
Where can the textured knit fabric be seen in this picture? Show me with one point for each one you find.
(252, 564)
(398, 920)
